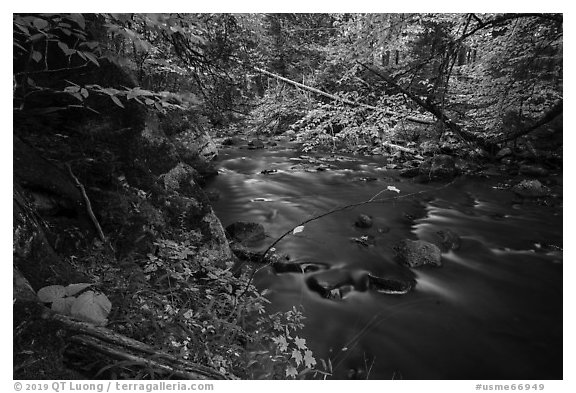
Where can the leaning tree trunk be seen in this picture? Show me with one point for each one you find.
(430, 107)
(554, 112)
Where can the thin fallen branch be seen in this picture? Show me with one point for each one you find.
(419, 120)
(119, 347)
(88, 205)
(158, 362)
(335, 210)
(346, 207)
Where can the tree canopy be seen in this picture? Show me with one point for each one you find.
(484, 77)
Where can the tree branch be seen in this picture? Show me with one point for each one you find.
(428, 106)
(554, 112)
(88, 205)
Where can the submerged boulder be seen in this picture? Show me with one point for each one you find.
(245, 232)
(232, 141)
(416, 253)
(337, 283)
(409, 172)
(298, 267)
(447, 240)
(531, 189)
(331, 284)
(255, 144)
(363, 221)
(389, 285)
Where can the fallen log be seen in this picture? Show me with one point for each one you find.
(400, 148)
(420, 120)
(320, 92)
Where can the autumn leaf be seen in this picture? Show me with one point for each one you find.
(281, 343)
(300, 343)
(309, 360)
(291, 372)
(297, 356)
(298, 229)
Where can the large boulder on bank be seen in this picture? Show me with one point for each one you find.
(198, 143)
(165, 143)
(416, 253)
(439, 167)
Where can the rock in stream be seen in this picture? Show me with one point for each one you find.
(416, 253)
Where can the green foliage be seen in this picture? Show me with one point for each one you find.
(518, 78)
(229, 332)
(338, 126)
(279, 352)
(276, 110)
(50, 44)
(491, 73)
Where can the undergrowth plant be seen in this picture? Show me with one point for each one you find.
(209, 317)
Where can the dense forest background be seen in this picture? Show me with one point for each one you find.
(115, 117)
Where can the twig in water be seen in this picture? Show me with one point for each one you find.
(335, 210)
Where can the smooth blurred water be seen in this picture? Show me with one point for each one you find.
(493, 311)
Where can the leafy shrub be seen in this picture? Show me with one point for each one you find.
(209, 315)
(337, 125)
(277, 110)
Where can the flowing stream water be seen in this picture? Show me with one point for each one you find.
(492, 311)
